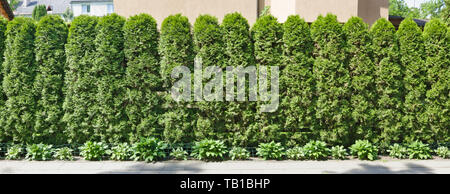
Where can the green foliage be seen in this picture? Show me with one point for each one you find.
(445, 13)
(209, 150)
(437, 49)
(19, 70)
(316, 150)
(398, 151)
(93, 150)
(296, 153)
(389, 81)
(39, 11)
(297, 83)
(364, 150)
(64, 153)
(143, 103)
(338, 152)
(442, 152)
(179, 154)
(149, 150)
(79, 86)
(411, 50)
(39, 152)
(362, 70)
(270, 151)
(398, 8)
(238, 153)
(3, 24)
(120, 152)
(108, 72)
(419, 150)
(68, 15)
(51, 36)
(14, 152)
(333, 110)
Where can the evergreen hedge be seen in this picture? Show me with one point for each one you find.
(39, 11)
(3, 24)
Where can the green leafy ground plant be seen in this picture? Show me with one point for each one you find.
(364, 150)
(209, 150)
(270, 151)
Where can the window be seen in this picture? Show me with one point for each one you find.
(86, 8)
(110, 8)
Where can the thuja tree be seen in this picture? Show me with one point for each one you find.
(79, 86)
(19, 70)
(3, 23)
(388, 79)
(39, 11)
(176, 49)
(240, 116)
(108, 71)
(331, 72)
(437, 49)
(412, 53)
(143, 81)
(297, 83)
(210, 49)
(362, 69)
(267, 35)
(51, 36)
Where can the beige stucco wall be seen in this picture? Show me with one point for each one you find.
(371, 10)
(160, 9)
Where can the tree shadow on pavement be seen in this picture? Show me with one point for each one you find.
(411, 168)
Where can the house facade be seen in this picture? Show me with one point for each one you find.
(56, 7)
(92, 7)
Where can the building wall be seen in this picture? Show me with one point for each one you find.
(160, 9)
(97, 8)
(371, 10)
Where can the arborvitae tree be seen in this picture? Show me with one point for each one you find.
(412, 53)
(389, 81)
(240, 116)
(3, 23)
(210, 49)
(297, 83)
(79, 87)
(19, 71)
(176, 49)
(39, 11)
(331, 72)
(362, 69)
(437, 49)
(142, 76)
(445, 13)
(267, 36)
(51, 36)
(108, 70)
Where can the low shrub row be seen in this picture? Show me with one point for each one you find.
(153, 149)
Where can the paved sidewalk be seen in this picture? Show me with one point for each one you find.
(390, 166)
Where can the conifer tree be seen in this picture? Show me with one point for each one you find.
(3, 24)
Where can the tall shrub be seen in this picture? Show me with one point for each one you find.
(267, 35)
(331, 72)
(210, 49)
(79, 86)
(142, 76)
(437, 49)
(412, 53)
(19, 70)
(297, 82)
(362, 69)
(51, 36)
(108, 71)
(240, 116)
(389, 81)
(39, 11)
(3, 24)
(176, 49)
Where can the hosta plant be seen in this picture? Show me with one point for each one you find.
(149, 150)
(419, 150)
(14, 152)
(364, 150)
(270, 151)
(93, 150)
(39, 152)
(209, 150)
(316, 150)
(442, 152)
(338, 152)
(64, 153)
(238, 153)
(120, 152)
(295, 153)
(179, 154)
(398, 151)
